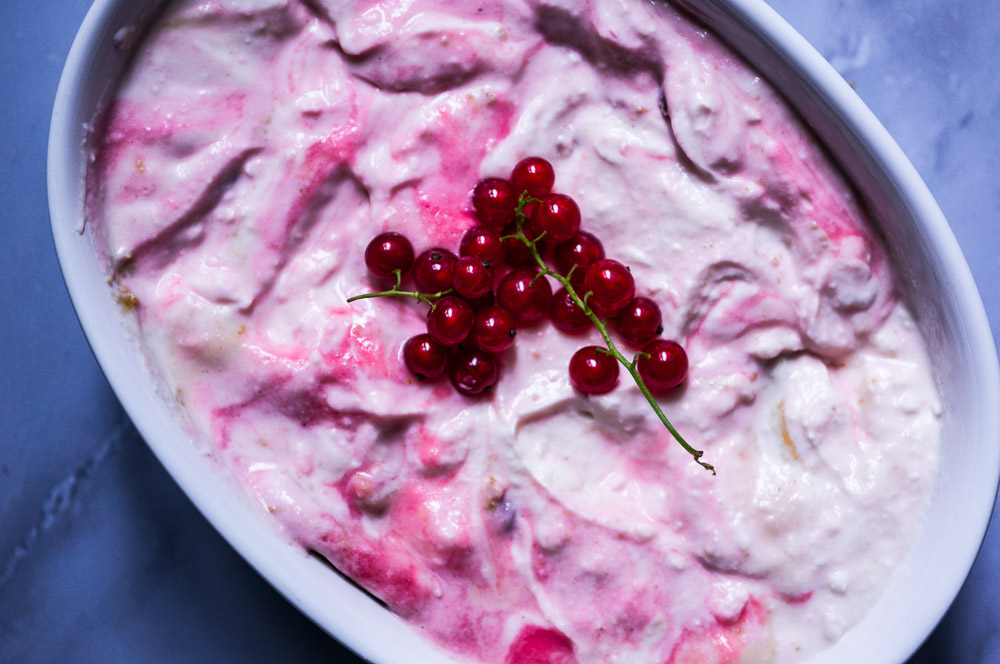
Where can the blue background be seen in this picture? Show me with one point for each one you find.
(103, 559)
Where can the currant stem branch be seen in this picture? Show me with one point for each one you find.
(429, 298)
(630, 366)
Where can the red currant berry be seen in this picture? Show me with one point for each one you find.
(426, 357)
(582, 250)
(473, 277)
(665, 368)
(434, 270)
(533, 175)
(602, 313)
(450, 321)
(566, 315)
(494, 202)
(558, 216)
(529, 212)
(611, 283)
(387, 253)
(517, 254)
(639, 322)
(484, 243)
(493, 330)
(474, 372)
(592, 370)
(483, 302)
(524, 295)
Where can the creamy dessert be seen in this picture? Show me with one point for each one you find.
(255, 146)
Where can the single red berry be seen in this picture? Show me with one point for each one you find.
(516, 253)
(529, 211)
(434, 270)
(483, 302)
(484, 243)
(592, 370)
(525, 294)
(426, 357)
(581, 250)
(566, 315)
(611, 283)
(558, 216)
(665, 368)
(473, 277)
(602, 312)
(639, 321)
(494, 202)
(533, 175)
(493, 329)
(533, 231)
(474, 372)
(450, 321)
(387, 253)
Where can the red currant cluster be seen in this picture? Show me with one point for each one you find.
(524, 228)
(464, 330)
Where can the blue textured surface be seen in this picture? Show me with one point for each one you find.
(103, 559)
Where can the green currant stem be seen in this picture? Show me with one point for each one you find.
(429, 298)
(630, 366)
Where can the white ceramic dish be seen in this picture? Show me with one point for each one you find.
(925, 252)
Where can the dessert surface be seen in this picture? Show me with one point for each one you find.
(254, 147)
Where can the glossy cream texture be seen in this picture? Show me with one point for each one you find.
(254, 148)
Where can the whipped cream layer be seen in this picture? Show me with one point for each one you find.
(254, 147)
